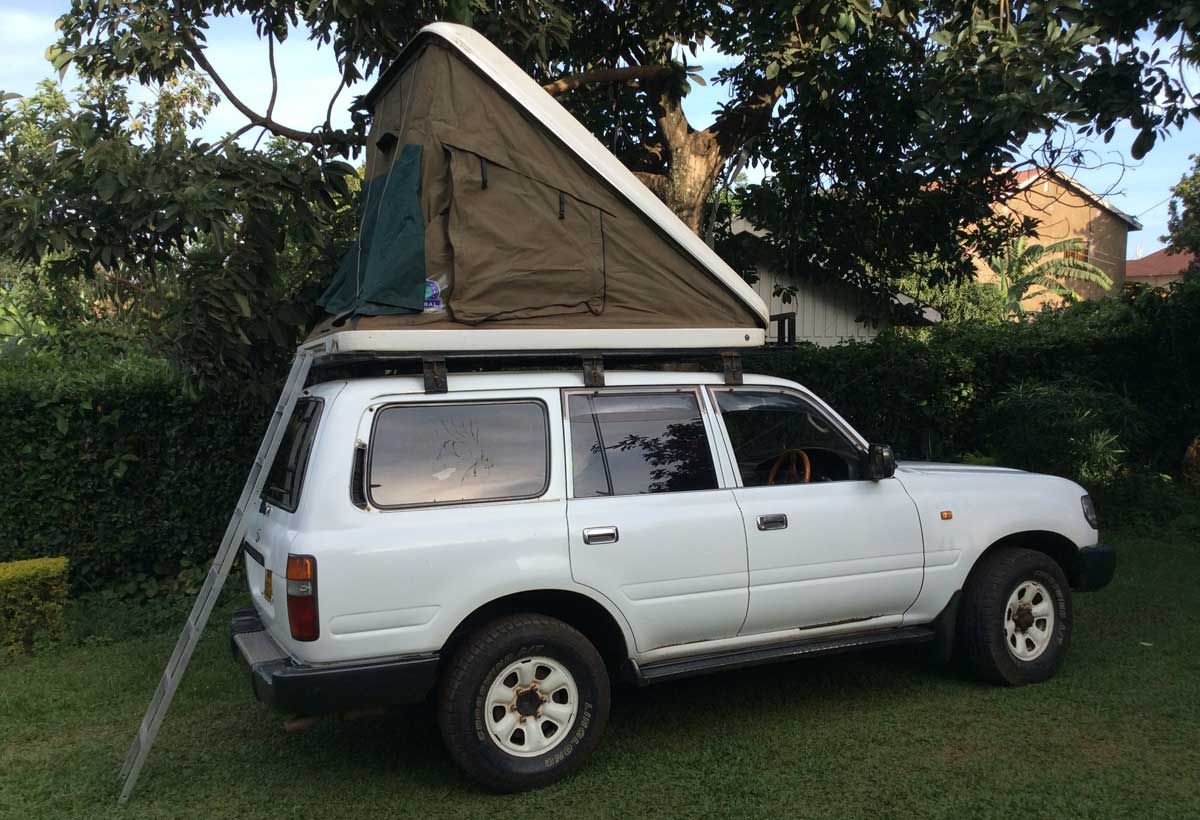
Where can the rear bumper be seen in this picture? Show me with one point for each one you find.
(281, 682)
(1094, 568)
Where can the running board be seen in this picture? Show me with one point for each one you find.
(756, 656)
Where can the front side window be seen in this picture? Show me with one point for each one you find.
(638, 443)
(286, 475)
(423, 454)
(779, 438)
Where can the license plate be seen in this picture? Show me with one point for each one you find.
(267, 585)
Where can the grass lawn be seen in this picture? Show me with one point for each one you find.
(1116, 734)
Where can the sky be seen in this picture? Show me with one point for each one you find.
(308, 77)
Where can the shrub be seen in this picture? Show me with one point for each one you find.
(32, 598)
(1067, 427)
(120, 469)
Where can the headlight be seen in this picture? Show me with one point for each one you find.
(1089, 512)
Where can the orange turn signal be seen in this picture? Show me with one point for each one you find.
(304, 567)
(946, 516)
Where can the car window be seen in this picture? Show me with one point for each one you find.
(286, 476)
(779, 438)
(627, 444)
(424, 454)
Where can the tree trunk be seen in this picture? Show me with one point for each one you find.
(693, 161)
(692, 177)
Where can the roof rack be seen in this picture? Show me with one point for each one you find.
(435, 366)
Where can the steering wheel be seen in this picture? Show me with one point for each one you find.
(792, 458)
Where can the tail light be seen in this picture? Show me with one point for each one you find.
(302, 597)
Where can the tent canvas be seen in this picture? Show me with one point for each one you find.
(488, 207)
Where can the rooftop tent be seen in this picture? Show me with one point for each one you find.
(488, 207)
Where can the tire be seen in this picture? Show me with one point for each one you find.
(1015, 620)
(498, 746)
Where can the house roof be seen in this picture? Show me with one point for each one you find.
(1029, 176)
(533, 100)
(1161, 264)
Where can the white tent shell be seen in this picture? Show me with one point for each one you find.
(541, 107)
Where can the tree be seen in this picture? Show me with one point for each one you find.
(883, 122)
(1183, 222)
(1028, 271)
(180, 237)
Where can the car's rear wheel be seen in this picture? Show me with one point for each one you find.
(1016, 617)
(523, 702)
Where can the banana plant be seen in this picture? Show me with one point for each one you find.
(1029, 270)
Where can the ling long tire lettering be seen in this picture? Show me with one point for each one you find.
(1016, 617)
(523, 702)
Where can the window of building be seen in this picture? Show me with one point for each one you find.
(628, 444)
(1082, 253)
(425, 454)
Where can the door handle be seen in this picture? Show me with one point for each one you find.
(775, 521)
(601, 535)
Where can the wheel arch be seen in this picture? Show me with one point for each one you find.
(589, 616)
(1056, 546)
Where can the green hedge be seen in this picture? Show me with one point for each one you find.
(109, 461)
(32, 598)
(113, 464)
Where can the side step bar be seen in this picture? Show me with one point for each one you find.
(756, 656)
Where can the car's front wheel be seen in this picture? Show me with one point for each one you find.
(1016, 617)
(523, 702)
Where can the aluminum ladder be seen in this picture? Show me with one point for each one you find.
(215, 580)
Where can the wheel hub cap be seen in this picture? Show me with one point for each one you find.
(1029, 621)
(529, 702)
(531, 706)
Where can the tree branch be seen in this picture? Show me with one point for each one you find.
(737, 125)
(274, 75)
(310, 138)
(622, 74)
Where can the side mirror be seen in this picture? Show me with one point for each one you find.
(881, 462)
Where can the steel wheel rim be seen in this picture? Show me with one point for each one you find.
(1029, 621)
(539, 683)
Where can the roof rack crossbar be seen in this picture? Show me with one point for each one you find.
(435, 367)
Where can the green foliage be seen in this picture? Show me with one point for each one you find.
(114, 464)
(1066, 427)
(958, 301)
(186, 242)
(1183, 224)
(1029, 271)
(32, 596)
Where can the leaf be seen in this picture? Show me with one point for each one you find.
(772, 70)
(243, 303)
(1142, 145)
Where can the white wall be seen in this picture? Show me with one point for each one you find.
(825, 314)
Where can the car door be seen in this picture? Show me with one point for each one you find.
(826, 545)
(650, 526)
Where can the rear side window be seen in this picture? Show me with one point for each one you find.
(423, 454)
(638, 443)
(291, 459)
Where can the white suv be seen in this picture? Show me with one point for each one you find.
(511, 546)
